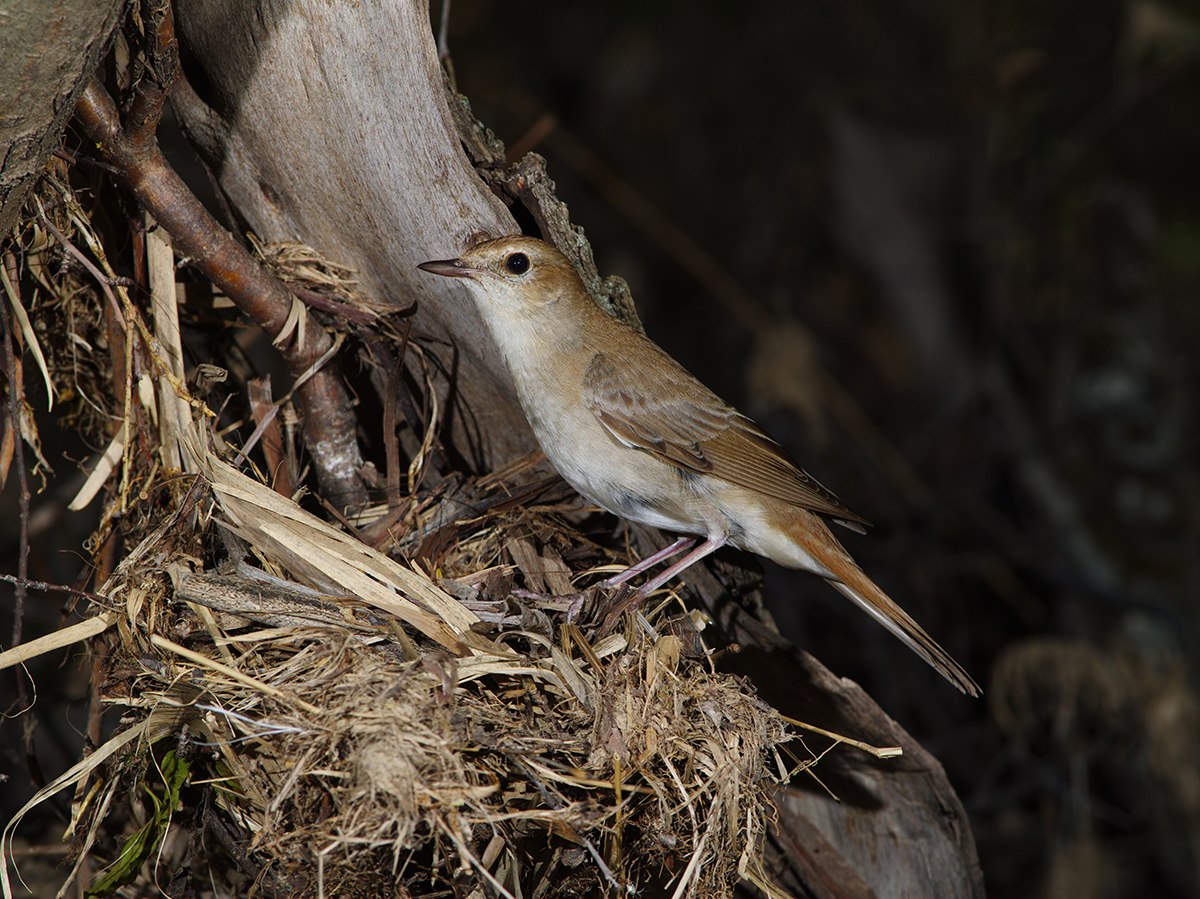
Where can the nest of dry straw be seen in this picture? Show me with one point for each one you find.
(365, 733)
(301, 714)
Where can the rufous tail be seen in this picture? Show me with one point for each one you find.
(854, 583)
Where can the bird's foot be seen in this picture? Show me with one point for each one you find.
(599, 603)
(619, 603)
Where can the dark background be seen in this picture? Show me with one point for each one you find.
(949, 255)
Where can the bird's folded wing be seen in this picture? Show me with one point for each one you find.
(665, 411)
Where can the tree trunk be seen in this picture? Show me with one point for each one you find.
(50, 50)
(328, 124)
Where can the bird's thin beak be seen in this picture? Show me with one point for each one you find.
(449, 268)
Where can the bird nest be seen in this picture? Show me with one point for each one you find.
(299, 713)
(352, 728)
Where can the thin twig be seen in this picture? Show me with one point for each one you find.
(880, 752)
(348, 311)
(105, 282)
(15, 400)
(25, 583)
(391, 440)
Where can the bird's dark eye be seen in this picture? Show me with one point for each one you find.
(517, 263)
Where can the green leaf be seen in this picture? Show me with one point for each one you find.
(141, 846)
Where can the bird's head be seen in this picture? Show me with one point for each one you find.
(517, 274)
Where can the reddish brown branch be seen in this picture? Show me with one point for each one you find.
(263, 411)
(334, 307)
(140, 166)
(161, 57)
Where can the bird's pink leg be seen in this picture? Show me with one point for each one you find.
(710, 545)
(650, 561)
(617, 579)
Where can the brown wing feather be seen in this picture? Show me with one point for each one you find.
(662, 409)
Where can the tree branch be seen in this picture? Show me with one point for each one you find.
(141, 167)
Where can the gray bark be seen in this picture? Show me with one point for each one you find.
(329, 124)
(48, 51)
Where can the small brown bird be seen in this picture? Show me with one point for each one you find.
(634, 432)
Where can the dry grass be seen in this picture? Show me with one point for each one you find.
(369, 735)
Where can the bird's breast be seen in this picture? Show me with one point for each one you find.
(627, 482)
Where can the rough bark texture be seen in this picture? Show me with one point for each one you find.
(50, 50)
(329, 123)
